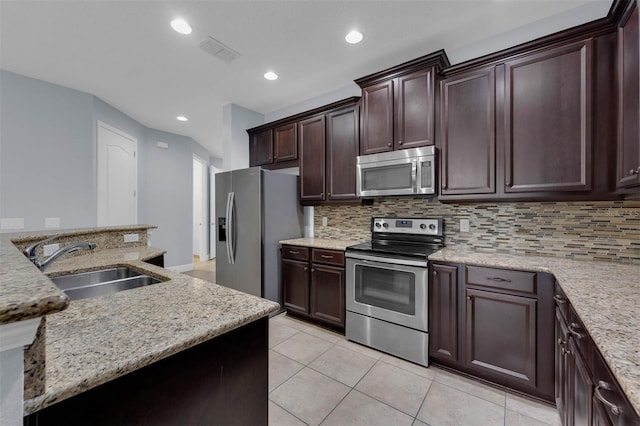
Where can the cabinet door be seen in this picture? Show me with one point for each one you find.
(414, 109)
(501, 335)
(580, 388)
(342, 151)
(285, 143)
(295, 284)
(327, 293)
(377, 118)
(468, 138)
(261, 148)
(443, 313)
(561, 373)
(312, 139)
(548, 123)
(629, 102)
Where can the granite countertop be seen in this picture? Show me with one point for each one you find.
(322, 243)
(605, 295)
(99, 339)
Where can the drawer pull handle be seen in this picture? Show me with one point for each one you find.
(560, 342)
(325, 256)
(293, 252)
(560, 300)
(566, 351)
(498, 279)
(572, 329)
(615, 410)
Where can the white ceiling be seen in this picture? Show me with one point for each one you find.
(125, 52)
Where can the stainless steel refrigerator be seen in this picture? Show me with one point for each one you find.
(255, 209)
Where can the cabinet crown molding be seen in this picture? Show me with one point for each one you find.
(438, 59)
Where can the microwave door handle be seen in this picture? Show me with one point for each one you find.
(414, 175)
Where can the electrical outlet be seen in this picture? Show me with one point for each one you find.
(49, 249)
(52, 222)
(12, 223)
(131, 238)
(325, 221)
(464, 225)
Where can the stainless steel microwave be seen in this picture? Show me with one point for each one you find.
(402, 172)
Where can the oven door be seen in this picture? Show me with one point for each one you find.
(388, 289)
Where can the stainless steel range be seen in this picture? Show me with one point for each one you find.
(387, 286)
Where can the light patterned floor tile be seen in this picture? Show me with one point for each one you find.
(543, 413)
(303, 347)
(343, 365)
(280, 417)
(394, 386)
(513, 418)
(356, 347)
(358, 409)
(279, 332)
(471, 387)
(309, 395)
(448, 406)
(428, 372)
(281, 368)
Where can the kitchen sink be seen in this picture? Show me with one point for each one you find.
(103, 282)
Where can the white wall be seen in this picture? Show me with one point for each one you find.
(235, 139)
(48, 163)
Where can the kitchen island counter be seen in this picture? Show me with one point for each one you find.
(97, 340)
(605, 295)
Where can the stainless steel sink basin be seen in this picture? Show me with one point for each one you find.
(102, 282)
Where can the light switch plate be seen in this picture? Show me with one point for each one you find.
(52, 222)
(12, 223)
(464, 225)
(131, 238)
(49, 249)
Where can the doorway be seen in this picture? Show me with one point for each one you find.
(212, 210)
(200, 204)
(117, 177)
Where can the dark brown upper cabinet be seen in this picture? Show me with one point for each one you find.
(548, 120)
(261, 147)
(628, 161)
(532, 122)
(312, 150)
(285, 143)
(468, 140)
(398, 105)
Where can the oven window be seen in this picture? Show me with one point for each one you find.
(387, 177)
(386, 288)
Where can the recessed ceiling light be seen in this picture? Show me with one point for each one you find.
(354, 37)
(181, 26)
(271, 75)
(182, 118)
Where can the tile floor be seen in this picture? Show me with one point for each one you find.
(318, 377)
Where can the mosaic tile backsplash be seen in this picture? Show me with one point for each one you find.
(606, 230)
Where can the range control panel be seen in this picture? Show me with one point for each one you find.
(399, 225)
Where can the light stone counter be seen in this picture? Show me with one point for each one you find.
(605, 295)
(97, 340)
(321, 243)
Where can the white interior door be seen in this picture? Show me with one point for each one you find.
(117, 177)
(212, 210)
(200, 206)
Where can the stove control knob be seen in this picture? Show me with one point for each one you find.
(385, 225)
(378, 225)
(432, 227)
(423, 226)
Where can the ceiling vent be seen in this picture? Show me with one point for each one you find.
(219, 50)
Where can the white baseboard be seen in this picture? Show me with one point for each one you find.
(181, 268)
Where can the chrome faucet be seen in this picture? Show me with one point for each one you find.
(30, 251)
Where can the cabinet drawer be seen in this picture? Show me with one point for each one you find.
(295, 252)
(330, 257)
(608, 397)
(576, 330)
(518, 281)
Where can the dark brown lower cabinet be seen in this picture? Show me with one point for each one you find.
(295, 276)
(501, 335)
(313, 283)
(494, 324)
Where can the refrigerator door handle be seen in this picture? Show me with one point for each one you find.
(228, 223)
(232, 230)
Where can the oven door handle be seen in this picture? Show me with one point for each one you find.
(390, 260)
